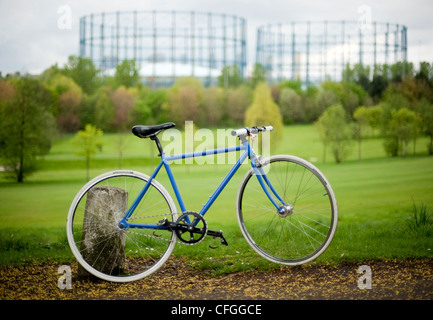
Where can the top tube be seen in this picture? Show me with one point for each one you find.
(205, 153)
(245, 146)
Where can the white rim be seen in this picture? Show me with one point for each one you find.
(330, 192)
(71, 239)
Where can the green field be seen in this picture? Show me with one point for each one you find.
(375, 198)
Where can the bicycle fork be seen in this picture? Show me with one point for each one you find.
(283, 210)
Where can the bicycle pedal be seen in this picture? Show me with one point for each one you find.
(223, 240)
(217, 234)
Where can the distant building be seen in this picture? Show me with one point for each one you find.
(166, 45)
(315, 51)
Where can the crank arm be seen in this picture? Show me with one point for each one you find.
(217, 234)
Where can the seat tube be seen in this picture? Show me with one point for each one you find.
(173, 183)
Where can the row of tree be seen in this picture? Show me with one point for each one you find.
(399, 113)
(67, 99)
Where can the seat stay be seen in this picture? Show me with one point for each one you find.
(140, 196)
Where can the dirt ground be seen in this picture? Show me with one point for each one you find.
(390, 280)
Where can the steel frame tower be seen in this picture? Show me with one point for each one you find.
(316, 51)
(166, 44)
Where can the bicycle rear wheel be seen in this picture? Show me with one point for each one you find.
(301, 233)
(143, 251)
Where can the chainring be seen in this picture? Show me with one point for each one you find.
(191, 228)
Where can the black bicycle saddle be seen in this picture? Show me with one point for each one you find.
(149, 131)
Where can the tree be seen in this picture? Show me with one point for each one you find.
(425, 109)
(184, 100)
(374, 114)
(378, 86)
(349, 94)
(123, 103)
(404, 126)
(323, 100)
(127, 74)
(258, 75)
(83, 72)
(88, 143)
(425, 73)
(104, 112)
(408, 94)
(264, 112)
(213, 106)
(295, 85)
(335, 130)
(68, 96)
(238, 100)
(230, 77)
(68, 118)
(401, 70)
(26, 126)
(7, 90)
(359, 74)
(291, 106)
(361, 116)
(148, 108)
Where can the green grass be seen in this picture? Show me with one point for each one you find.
(375, 198)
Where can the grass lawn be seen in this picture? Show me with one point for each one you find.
(375, 198)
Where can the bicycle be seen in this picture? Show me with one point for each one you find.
(290, 221)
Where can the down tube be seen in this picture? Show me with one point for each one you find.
(224, 183)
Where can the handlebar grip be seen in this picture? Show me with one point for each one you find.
(246, 131)
(268, 128)
(240, 132)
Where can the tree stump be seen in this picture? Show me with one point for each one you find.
(103, 243)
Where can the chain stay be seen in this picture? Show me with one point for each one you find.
(172, 227)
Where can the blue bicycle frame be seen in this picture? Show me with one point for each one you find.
(248, 152)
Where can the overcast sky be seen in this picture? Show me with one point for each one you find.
(31, 39)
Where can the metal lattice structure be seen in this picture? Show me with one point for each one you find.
(315, 51)
(166, 45)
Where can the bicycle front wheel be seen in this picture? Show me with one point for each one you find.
(305, 229)
(117, 254)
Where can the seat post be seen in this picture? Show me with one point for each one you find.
(158, 144)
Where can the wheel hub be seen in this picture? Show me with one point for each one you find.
(285, 211)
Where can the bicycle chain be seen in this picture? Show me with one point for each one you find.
(154, 216)
(150, 236)
(223, 241)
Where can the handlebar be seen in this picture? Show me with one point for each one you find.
(249, 131)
